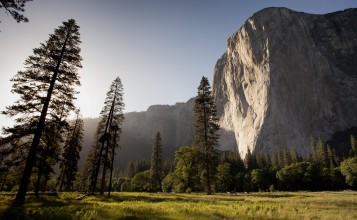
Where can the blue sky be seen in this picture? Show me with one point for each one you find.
(159, 48)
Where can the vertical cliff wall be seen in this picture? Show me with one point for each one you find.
(287, 76)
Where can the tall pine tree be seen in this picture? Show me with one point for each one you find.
(108, 133)
(46, 90)
(156, 164)
(206, 131)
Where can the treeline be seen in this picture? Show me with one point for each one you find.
(283, 170)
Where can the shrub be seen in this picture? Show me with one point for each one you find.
(349, 170)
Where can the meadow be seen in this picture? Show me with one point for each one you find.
(275, 205)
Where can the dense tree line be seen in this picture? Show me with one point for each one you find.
(284, 170)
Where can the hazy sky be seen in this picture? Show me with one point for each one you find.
(159, 48)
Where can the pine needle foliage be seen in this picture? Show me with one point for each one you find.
(156, 164)
(206, 131)
(46, 89)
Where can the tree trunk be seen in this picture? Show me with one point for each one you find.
(102, 148)
(31, 158)
(112, 164)
(104, 172)
(208, 181)
(60, 187)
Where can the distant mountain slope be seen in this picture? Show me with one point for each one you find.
(175, 123)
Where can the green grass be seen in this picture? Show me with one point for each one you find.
(277, 205)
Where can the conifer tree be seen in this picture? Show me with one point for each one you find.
(294, 155)
(206, 131)
(48, 154)
(320, 155)
(46, 90)
(250, 161)
(156, 164)
(353, 151)
(70, 155)
(108, 131)
(89, 170)
(286, 157)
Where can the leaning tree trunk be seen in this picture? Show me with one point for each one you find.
(31, 158)
(104, 172)
(112, 163)
(101, 150)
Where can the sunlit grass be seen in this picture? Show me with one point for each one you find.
(277, 205)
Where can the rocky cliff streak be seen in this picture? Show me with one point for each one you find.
(287, 76)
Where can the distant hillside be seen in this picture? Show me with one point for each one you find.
(175, 123)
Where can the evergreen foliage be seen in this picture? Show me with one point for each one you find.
(70, 155)
(48, 155)
(206, 132)
(353, 151)
(186, 172)
(46, 90)
(107, 135)
(15, 8)
(349, 170)
(156, 164)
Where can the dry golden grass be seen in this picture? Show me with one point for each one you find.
(277, 205)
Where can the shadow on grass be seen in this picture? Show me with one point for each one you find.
(14, 212)
(36, 207)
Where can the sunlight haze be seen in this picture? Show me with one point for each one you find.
(160, 49)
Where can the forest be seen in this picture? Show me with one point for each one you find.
(40, 151)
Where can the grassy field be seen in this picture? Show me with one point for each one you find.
(277, 205)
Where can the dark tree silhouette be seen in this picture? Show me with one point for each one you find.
(206, 130)
(46, 89)
(108, 133)
(15, 8)
(70, 155)
(156, 164)
(47, 154)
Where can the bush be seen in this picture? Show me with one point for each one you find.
(297, 176)
(168, 183)
(271, 188)
(141, 182)
(223, 177)
(126, 186)
(349, 171)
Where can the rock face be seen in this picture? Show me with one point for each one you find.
(287, 76)
(174, 122)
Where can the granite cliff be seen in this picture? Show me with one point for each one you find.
(287, 76)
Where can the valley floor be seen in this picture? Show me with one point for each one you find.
(277, 205)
